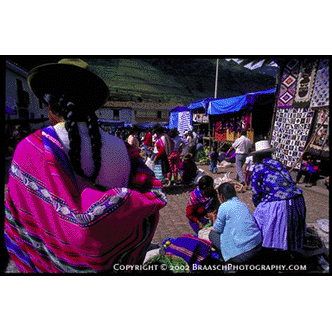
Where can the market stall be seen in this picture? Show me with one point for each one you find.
(227, 116)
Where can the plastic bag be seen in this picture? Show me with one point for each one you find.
(149, 162)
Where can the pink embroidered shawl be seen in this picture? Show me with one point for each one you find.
(51, 227)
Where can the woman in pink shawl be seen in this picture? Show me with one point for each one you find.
(78, 200)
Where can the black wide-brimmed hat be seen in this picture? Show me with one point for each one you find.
(72, 78)
(157, 128)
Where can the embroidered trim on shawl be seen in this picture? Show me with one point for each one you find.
(109, 204)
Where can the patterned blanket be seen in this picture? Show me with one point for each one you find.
(288, 84)
(52, 227)
(290, 134)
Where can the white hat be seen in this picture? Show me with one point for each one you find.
(262, 147)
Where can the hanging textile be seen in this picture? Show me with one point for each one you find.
(184, 122)
(305, 83)
(290, 133)
(320, 96)
(322, 139)
(288, 84)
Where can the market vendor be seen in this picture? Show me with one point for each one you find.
(235, 233)
(203, 203)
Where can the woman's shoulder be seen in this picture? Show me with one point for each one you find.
(34, 139)
(112, 140)
(274, 164)
(30, 147)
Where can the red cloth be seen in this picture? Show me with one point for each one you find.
(148, 139)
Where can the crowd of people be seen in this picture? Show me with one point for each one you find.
(80, 200)
(171, 156)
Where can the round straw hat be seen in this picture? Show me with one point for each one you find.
(262, 147)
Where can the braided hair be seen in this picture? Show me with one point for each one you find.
(72, 115)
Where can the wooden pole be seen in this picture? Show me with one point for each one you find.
(278, 86)
(216, 83)
(215, 96)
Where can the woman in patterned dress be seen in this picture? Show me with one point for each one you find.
(280, 206)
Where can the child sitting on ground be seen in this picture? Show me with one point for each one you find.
(188, 169)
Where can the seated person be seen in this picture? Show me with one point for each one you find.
(203, 201)
(235, 233)
(310, 170)
(188, 168)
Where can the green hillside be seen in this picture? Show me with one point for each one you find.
(167, 80)
(174, 80)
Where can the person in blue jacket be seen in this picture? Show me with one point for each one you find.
(235, 233)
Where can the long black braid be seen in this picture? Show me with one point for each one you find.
(70, 112)
(94, 133)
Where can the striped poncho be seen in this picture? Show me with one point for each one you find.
(53, 227)
(165, 146)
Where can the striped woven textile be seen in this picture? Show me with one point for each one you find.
(164, 145)
(52, 227)
(192, 249)
(185, 122)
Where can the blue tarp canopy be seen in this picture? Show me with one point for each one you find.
(111, 122)
(204, 103)
(235, 104)
(179, 109)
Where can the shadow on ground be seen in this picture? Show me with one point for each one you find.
(179, 189)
